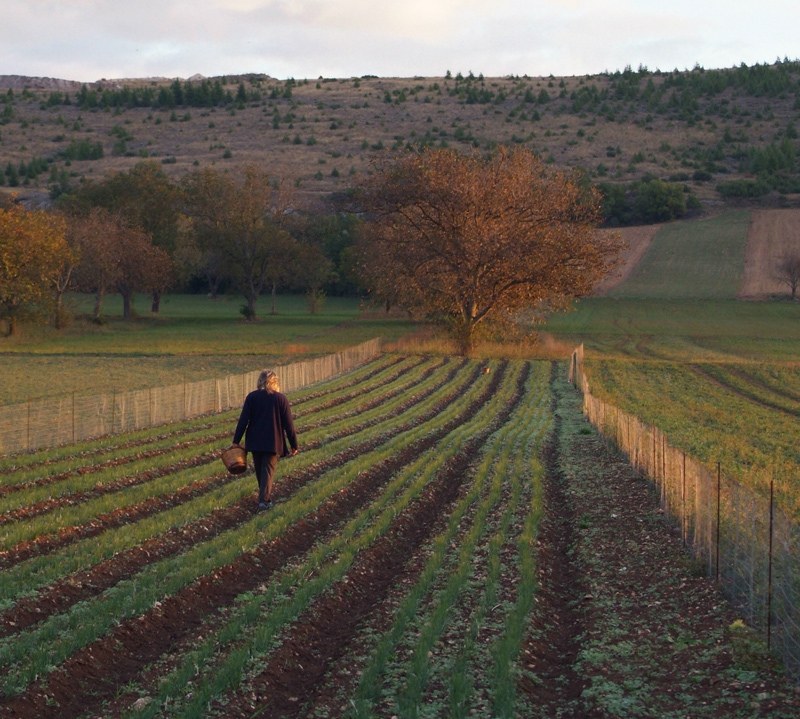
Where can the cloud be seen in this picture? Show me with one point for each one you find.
(89, 39)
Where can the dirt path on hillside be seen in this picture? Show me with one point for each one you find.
(637, 240)
(772, 235)
(628, 625)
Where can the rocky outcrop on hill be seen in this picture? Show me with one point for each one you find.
(20, 82)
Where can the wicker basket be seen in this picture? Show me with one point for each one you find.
(235, 459)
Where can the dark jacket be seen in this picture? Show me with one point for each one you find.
(264, 419)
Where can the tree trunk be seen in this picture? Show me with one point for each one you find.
(250, 307)
(126, 305)
(213, 286)
(155, 305)
(274, 295)
(58, 319)
(98, 305)
(464, 338)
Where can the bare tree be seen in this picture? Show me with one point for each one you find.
(788, 272)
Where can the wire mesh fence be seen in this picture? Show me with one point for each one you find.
(66, 419)
(746, 542)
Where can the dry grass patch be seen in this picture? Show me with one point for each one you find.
(772, 235)
(637, 240)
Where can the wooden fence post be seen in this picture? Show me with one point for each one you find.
(719, 501)
(769, 572)
(683, 499)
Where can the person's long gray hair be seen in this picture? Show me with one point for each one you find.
(268, 380)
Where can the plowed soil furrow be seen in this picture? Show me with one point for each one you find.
(99, 490)
(83, 585)
(375, 402)
(334, 692)
(96, 672)
(117, 518)
(364, 379)
(321, 636)
(96, 467)
(297, 409)
(551, 647)
(123, 444)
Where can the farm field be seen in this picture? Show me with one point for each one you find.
(744, 416)
(192, 338)
(397, 575)
(696, 258)
(416, 476)
(671, 345)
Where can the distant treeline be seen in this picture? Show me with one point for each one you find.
(203, 93)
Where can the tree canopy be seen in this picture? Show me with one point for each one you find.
(472, 241)
(240, 222)
(33, 251)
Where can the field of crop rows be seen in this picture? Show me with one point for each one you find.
(742, 415)
(394, 576)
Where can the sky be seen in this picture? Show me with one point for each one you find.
(88, 40)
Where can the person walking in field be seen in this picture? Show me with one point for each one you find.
(265, 418)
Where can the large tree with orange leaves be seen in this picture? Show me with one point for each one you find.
(474, 241)
(33, 251)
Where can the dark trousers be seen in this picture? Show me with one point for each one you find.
(265, 464)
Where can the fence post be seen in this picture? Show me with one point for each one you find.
(683, 499)
(769, 572)
(654, 465)
(28, 428)
(719, 502)
(73, 417)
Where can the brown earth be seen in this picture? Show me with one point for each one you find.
(637, 240)
(773, 234)
(624, 623)
(628, 625)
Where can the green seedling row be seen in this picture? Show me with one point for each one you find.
(32, 653)
(38, 572)
(225, 658)
(448, 578)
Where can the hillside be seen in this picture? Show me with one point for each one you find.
(701, 128)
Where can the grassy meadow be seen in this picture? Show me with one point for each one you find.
(697, 258)
(191, 338)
